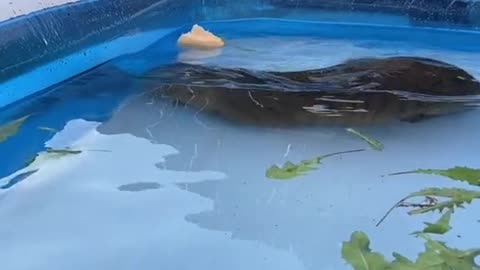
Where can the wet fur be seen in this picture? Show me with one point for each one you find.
(357, 92)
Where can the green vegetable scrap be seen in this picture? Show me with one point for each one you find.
(456, 198)
(437, 256)
(374, 144)
(290, 170)
(11, 128)
(442, 226)
(63, 152)
(48, 129)
(56, 153)
(464, 174)
(358, 254)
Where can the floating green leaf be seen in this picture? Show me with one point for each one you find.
(456, 198)
(465, 174)
(55, 153)
(358, 254)
(436, 256)
(442, 226)
(11, 128)
(48, 129)
(290, 170)
(402, 263)
(374, 144)
(63, 152)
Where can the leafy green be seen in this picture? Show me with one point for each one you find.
(11, 128)
(457, 197)
(63, 152)
(465, 174)
(401, 263)
(436, 256)
(48, 129)
(55, 153)
(290, 170)
(469, 175)
(452, 198)
(442, 226)
(374, 144)
(446, 192)
(358, 254)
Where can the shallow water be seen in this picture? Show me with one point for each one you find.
(162, 185)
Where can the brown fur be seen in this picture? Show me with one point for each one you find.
(357, 92)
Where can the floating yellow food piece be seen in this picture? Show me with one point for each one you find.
(200, 38)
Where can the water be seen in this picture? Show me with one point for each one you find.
(163, 185)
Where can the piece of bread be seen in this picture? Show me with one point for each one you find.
(199, 38)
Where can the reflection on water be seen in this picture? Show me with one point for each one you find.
(161, 184)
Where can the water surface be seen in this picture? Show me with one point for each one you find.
(201, 199)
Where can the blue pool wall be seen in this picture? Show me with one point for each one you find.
(42, 49)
